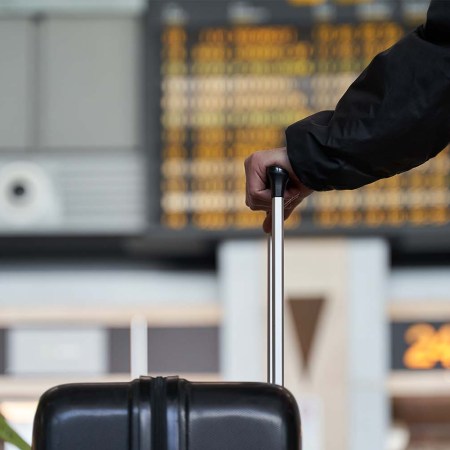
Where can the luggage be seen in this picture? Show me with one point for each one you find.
(174, 414)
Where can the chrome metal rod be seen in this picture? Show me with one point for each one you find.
(269, 311)
(276, 282)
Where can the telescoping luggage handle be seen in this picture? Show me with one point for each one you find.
(278, 178)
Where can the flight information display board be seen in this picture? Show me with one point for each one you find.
(230, 88)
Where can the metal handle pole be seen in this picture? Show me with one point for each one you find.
(279, 178)
(270, 330)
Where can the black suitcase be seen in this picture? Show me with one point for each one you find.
(175, 414)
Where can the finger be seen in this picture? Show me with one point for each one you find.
(258, 206)
(260, 201)
(267, 224)
(256, 187)
(255, 178)
(292, 202)
(288, 210)
(290, 207)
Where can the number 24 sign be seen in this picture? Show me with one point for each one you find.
(427, 346)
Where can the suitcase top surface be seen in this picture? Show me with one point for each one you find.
(167, 414)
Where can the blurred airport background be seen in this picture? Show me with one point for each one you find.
(125, 245)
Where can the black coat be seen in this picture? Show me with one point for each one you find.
(394, 117)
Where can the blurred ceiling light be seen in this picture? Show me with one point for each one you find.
(375, 11)
(242, 12)
(306, 2)
(415, 10)
(325, 12)
(174, 14)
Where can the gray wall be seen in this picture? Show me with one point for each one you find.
(70, 82)
(71, 123)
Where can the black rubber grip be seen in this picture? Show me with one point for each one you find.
(278, 178)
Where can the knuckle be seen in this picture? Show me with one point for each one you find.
(253, 205)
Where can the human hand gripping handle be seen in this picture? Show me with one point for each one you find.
(258, 193)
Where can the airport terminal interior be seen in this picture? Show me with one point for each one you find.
(126, 247)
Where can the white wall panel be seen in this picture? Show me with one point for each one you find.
(90, 82)
(15, 94)
(368, 343)
(57, 351)
(341, 392)
(72, 6)
(91, 286)
(242, 288)
(420, 284)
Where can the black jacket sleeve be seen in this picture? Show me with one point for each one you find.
(394, 117)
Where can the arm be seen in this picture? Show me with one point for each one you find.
(437, 27)
(394, 117)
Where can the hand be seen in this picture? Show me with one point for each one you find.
(258, 194)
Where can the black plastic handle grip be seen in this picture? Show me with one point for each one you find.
(278, 178)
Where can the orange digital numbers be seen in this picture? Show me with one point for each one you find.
(428, 346)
